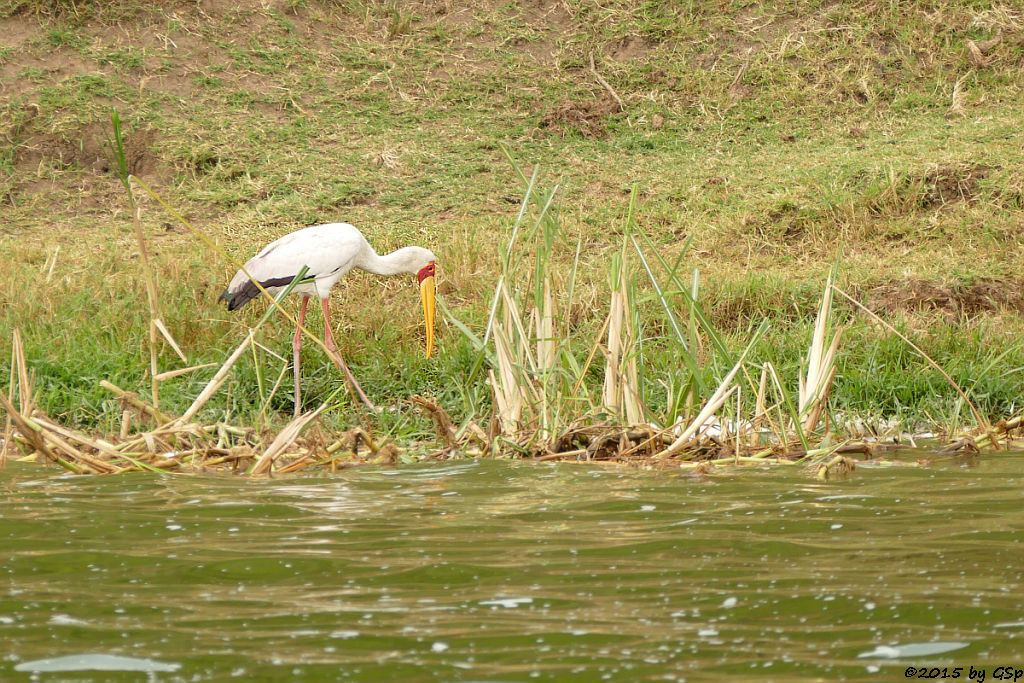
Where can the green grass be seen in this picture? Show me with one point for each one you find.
(776, 140)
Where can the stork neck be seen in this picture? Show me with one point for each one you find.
(390, 264)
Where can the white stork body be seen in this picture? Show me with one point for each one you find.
(329, 251)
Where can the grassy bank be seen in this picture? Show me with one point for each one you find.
(774, 144)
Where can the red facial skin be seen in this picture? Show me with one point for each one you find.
(425, 272)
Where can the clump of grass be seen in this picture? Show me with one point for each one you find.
(81, 10)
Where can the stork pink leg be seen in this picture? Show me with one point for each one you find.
(296, 347)
(336, 357)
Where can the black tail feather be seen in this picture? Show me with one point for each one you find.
(241, 296)
(249, 291)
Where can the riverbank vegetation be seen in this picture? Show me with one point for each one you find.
(639, 213)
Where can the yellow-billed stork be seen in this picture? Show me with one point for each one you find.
(329, 251)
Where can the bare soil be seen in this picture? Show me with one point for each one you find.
(949, 184)
(954, 300)
(87, 149)
(589, 118)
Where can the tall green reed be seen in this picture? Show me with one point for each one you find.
(546, 376)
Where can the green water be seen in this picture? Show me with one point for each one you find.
(514, 571)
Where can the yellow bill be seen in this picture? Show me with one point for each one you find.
(427, 294)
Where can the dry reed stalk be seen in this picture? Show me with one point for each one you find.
(296, 465)
(153, 299)
(508, 394)
(546, 355)
(713, 404)
(630, 379)
(606, 85)
(838, 465)
(170, 340)
(15, 344)
(95, 465)
(216, 381)
(98, 446)
(820, 366)
(1003, 427)
(156, 325)
(134, 400)
(780, 425)
(760, 412)
(27, 429)
(611, 395)
(262, 416)
(21, 369)
(126, 423)
(652, 437)
(957, 104)
(170, 374)
(283, 440)
(51, 263)
(518, 391)
(546, 347)
(514, 321)
(739, 429)
(350, 439)
(173, 430)
(621, 392)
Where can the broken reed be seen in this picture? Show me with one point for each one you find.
(166, 443)
(175, 443)
(543, 370)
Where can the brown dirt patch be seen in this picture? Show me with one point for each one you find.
(951, 184)
(85, 149)
(57, 65)
(954, 299)
(175, 84)
(545, 52)
(630, 48)
(934, 188)
(18, 28)
(546, 15)
(589, 117)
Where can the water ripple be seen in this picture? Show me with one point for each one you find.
(491, 570)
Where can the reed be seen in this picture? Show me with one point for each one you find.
(819, 368)
(172, 444)
(546, 396)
